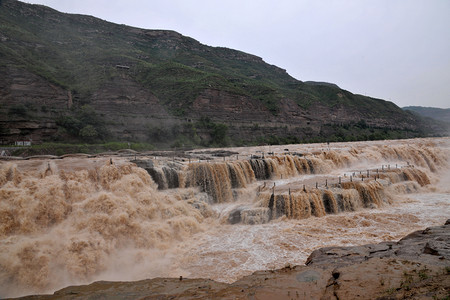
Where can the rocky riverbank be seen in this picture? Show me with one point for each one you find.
(416, 267)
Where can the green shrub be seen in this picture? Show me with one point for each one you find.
(88, 132)
(219, 134)
(71, 124)
(84, 123)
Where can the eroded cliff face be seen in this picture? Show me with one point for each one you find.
(29, 105)
(128, 110)
(136, 79)
(228, 107)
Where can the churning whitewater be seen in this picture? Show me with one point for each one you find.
(77, 220)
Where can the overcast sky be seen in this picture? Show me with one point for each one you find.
(398, 50)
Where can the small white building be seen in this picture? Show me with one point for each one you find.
(22, 143)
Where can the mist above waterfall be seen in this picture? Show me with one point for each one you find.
(79, 220)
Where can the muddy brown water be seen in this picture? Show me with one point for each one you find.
(78, 220)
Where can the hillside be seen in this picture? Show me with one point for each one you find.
(66, 77)
(440, 114)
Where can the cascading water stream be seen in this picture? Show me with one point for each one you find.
(220, 180)
(73, 221)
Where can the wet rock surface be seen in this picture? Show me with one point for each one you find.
(431, 245)
(416, 267)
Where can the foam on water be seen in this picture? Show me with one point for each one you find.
(75, 221)
(232, 251)
(70, 228)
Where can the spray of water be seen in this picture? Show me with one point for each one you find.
(70, 227)
(76, 221)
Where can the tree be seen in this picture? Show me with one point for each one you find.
(88, 132)
(219, 134)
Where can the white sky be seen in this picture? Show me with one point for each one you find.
(397, 50)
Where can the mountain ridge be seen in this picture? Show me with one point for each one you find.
(69, 77)
(440, 114)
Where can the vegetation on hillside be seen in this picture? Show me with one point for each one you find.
(82, 53)
(84, 123)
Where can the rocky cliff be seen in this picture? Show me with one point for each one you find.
(160, 86)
